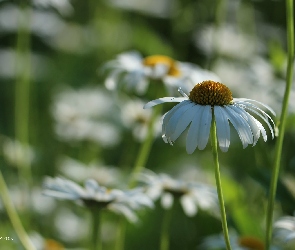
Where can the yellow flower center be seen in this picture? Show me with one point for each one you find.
(152, 61)
(251, 243)
(211, 93)
(52, 245)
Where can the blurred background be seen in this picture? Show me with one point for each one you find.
(58, 119)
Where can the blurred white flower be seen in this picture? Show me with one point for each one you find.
(16, 153)
(9, 59)
(45, 24)
(227, 41)
(85, 114)
(64, 7)
(134, 71)
(192, 195)
(78, 171)
(94, 195)
(237, 242)
(69, 226)
(34, 200)
(134, 117)
(284, 232)
(42, 243)
(158, 8)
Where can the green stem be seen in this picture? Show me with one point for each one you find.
(22, 88)
(164, 243)
(218, 182)
(13, 216)
(121, 232)
(145, 148)
(96, 243)
(282, 125)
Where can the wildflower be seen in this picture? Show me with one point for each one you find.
(190, 194)
(133, 117)
(243, 48)
(284, 232)
(64, 7)
(95, 196)
(84, 115)
(16, 153)
(196, 111)
(237, 242)
(43, 243)
(134, 71)
(78, 171)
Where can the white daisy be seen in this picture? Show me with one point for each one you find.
(284, 232)
(79, 171)
(133, 117)
(16, 153)
(237, 242)
(94, 195)
(192, 195)
(208, 99)
(134, 71)
(86, 114)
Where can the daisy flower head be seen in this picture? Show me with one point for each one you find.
(95, 196)
(213, 100)
(237, 242)
(284, 232)
(192, 195)
(134, 71)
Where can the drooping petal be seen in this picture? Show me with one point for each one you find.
(192, 139)
(241, 126)
(189, 206)
(167, 200)
(262, 130)
(184, 121)
(172, 123)
(112, 79)
(205, 125)
(252, 123)
(170, 113)
(265, 118)
(222, 127)
(243, 100)
(162, 100)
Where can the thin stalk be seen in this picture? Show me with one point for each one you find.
(121, 232)
(164, 241)
(282, 125)
(145, 148)
(22, 87)
(13, 216)
(96, 243)
(218, 183)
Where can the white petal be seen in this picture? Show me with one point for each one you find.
(222, 128)
(162, 100)
(251, 122)
(167, 200)
(170, 113)
(250, 100)
(184, 121)
(261, 128)
(205, 127)
(264, 117)
(123, 209)
(172, 123)
(188, 205)
(112, 79)
(193, 132)
(241, 126)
